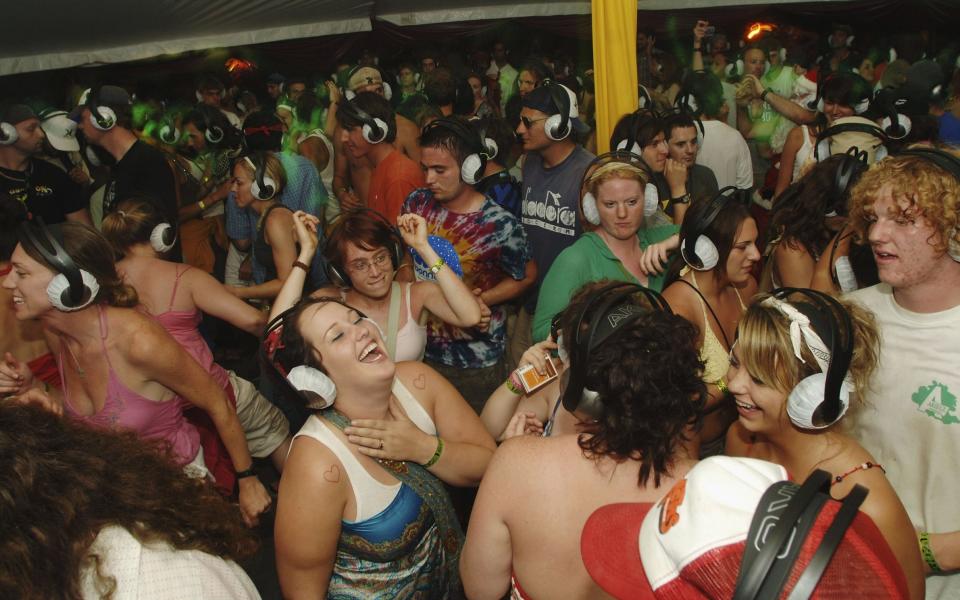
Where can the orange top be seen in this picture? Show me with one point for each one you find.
(392, 181)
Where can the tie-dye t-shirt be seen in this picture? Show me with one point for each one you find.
(492, 245)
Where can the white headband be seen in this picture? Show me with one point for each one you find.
(800, 328)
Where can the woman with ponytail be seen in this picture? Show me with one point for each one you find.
(119, 368)
(177, 295)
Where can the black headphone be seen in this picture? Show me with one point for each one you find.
(819, 400)
(472, 167)
(950, 164)
(557, 126)
(72, 288)
(852, 165)
(702, 254)
(167, 130)
(375, 129)
(263, 187)
(632, 143)
(895, 125)
(338, 274)
(614, 310)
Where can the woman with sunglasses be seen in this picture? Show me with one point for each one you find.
(362, 511)
(364, 254)
(798, 359)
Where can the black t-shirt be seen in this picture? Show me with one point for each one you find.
(46, 190)
(143, 172)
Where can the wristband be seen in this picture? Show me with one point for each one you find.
(247, 473)
(512, 385)
(437, 266)
(763, 94)
(202, 205)
(303, 266)
(684, 199)
(927, 552)
(436, 455)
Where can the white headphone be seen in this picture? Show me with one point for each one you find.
(558, 126)
(263, 187)
(8, 134)
(163, 238)
(315, 384)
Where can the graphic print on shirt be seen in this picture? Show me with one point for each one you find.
(936, 401)
(549, 213)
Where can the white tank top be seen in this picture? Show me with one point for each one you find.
(326, 176)
(371, 496)
(804, 154)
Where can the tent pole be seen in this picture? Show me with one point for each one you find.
(614, 64)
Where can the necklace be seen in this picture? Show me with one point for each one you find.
(76, 363)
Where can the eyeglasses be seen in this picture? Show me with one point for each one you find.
(528, 122)
(379, 261)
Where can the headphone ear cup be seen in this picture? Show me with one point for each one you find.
(387, 91)
(898, 130)
(704, 251)
(214, 134)
(820, 105)
(590, 404)
(338, 278)
(590, 211)
(349, 95)
(9, 133)
(953, 246)
(169, 134)
(163, 237)
(491, 148)
(651, 200)
(316, 384)
(552, 128)
(862, 106)
(822, 150)
(107, 118)
(198, 95)
(807, 397)
(269, 189)
(471, 171)
(58, 292)
(375, 132)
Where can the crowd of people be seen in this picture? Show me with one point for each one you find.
(469, 321)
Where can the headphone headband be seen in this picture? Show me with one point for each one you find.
(56, 256)
(841, 347)
(461, 130)
(608, 298)
(698, 227)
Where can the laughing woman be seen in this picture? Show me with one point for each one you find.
(362, 512)
(789, 411)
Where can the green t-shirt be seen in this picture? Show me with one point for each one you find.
(589, 259)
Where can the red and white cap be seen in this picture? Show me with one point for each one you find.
(692, 540)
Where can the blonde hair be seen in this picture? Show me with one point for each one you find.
(765, 349)
(615, 170)
(916, 182)
(132, 223)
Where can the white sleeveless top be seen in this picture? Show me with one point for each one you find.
(326, 176)
(371, 496)
(804, 154)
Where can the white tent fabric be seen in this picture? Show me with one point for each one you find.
(41, 35)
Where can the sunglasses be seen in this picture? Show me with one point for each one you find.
(528, 122)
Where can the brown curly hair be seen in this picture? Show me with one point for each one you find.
(926, 189)
(61, 482)
(649, 377)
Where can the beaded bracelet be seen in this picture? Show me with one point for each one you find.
(436, 455)
(927, 552)
(512, 385)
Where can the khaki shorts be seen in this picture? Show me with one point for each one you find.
(263, 424)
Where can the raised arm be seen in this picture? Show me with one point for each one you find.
(305, 227)
(449, 298)
(212, 297)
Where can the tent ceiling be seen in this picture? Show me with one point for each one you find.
(54, 34)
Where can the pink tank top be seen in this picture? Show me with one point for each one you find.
(125, 409)
(182, 325)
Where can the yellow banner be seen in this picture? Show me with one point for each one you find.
(614, 64)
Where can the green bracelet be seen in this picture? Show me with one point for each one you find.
(927, 552)
(436, 455)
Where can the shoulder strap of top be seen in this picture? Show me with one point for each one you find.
(417, 413)
(705, 303)
(176, 284)
(393, 320)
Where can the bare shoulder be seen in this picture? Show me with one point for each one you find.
(314, 470)
(738, 441)
(422, 381)
(683, 301)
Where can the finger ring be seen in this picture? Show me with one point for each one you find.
(381, 444)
